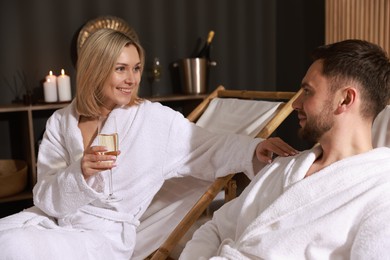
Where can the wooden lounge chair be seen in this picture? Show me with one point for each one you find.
(264, 130)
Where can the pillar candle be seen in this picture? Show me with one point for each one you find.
(50, 90)
(63, 85)
(52, 77)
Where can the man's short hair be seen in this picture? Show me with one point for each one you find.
(361, 62)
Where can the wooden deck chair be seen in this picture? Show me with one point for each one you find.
(263, 129)
(381, 128)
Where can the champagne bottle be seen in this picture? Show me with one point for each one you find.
(205, 51)
(198, 45)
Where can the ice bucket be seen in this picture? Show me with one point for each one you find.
(193, 74)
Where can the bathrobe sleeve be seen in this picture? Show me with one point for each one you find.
(61, 188)
(208, 238)
(192, 150)
(229, 222)
(222, 229)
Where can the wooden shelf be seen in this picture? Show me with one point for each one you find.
(26, 116)
(32, 118)
(21, 107)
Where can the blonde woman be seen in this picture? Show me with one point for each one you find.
(71, 218)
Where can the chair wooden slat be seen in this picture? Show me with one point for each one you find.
(253, 94)
(192, 216)
(283, 113)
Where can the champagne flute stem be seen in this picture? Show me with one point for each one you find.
(110, 187)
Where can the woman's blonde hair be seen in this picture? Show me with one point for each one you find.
(95, 63)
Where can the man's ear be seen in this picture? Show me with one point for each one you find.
(347, 99)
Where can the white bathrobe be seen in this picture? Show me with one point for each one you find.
(156, 143)
(340, 212)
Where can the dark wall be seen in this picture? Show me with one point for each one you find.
(300, 28)
(259, 44)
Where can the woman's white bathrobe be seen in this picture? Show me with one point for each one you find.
(340, 212)
(156, 144)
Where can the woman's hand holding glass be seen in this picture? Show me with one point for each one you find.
(95, 161)
(103, 156)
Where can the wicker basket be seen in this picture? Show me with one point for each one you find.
(13, 177)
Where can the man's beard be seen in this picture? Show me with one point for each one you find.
(317, 125)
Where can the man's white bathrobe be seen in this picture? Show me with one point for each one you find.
(340, 212)
(156, 144)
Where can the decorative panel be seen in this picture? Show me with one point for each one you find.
(358, 19)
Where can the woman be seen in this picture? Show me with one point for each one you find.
(72, 218)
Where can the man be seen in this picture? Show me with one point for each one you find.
(332, 201)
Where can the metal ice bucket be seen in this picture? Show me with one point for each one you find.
(193, 73)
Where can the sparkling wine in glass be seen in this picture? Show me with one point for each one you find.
(108, 136)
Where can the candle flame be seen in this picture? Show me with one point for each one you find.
(62, 72)
(51, 73)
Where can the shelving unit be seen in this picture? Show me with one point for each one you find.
(22, 128)
(25, 125)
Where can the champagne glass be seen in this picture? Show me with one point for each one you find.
(108, 136)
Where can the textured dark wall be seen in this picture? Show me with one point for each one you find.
(300, 28)
(259, 44)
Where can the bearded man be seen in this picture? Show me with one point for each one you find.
(329, 202)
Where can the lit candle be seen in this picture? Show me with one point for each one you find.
(63, 85)
(50, 90)
(52, 77)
